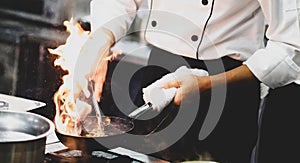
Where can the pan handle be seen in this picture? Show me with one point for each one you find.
(141, 110)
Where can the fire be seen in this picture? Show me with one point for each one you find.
(74, 101)
(70, 112)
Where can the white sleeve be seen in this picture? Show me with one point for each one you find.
(114, 15)
(279, 63)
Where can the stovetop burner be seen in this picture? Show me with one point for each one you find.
(77, 156)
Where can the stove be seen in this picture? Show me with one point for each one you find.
(116, 155)
(56, 152)
(99, 156)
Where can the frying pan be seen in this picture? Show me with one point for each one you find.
(113, 128)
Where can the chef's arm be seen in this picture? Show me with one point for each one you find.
(113, 15)
(237, 75)
(110, 20)
(234, 76)
(279, 63)
(186, 85)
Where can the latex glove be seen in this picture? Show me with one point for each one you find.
(92, 62)
(160, 97)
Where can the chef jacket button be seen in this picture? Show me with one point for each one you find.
(194, 38)
(153, 23)
(204, 2)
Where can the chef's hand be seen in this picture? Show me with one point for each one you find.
(83, 76)
(159, 97)
(100, 76)
(101, 71)
(92, 63)
(188, 86)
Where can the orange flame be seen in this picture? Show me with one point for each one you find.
(68, 111)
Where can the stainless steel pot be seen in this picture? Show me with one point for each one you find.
(23, 136)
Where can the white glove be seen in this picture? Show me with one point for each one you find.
(160, 97)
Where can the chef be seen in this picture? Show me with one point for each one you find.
(225, 38)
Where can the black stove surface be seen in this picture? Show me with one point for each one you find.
(77, 156)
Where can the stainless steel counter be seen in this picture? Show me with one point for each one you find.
(20, 104)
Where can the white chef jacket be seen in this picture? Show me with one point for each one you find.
(235, 29)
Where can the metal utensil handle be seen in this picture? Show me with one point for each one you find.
(95, 103)
(141, 110)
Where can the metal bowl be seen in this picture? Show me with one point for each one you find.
(23, 136)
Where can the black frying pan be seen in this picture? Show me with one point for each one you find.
(113, 128)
